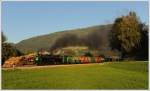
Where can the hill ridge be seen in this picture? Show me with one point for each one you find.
(45, 41)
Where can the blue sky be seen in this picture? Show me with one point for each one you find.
(22, 20)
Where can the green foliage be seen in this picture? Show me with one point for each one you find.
(125, 34)
(116, 75)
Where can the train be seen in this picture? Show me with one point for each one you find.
(58, 59)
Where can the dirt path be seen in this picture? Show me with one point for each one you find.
(51, 66)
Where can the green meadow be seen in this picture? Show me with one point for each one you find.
(107, 75)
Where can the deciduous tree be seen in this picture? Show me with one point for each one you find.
(125, 34)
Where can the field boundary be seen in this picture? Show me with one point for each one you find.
(51, 66)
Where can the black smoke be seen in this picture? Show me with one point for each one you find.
(93, 40)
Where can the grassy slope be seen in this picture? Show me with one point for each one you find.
(123, 75)
(45, 41)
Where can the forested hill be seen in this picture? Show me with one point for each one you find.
(51, 40)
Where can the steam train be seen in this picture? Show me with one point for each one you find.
(58, 59)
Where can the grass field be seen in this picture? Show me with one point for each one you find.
(117, 75)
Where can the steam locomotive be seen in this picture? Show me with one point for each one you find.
(65, 59)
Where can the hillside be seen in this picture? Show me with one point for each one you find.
(46, 41)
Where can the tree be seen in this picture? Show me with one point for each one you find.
(142, 52)
(8, 50)
(125, 34)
